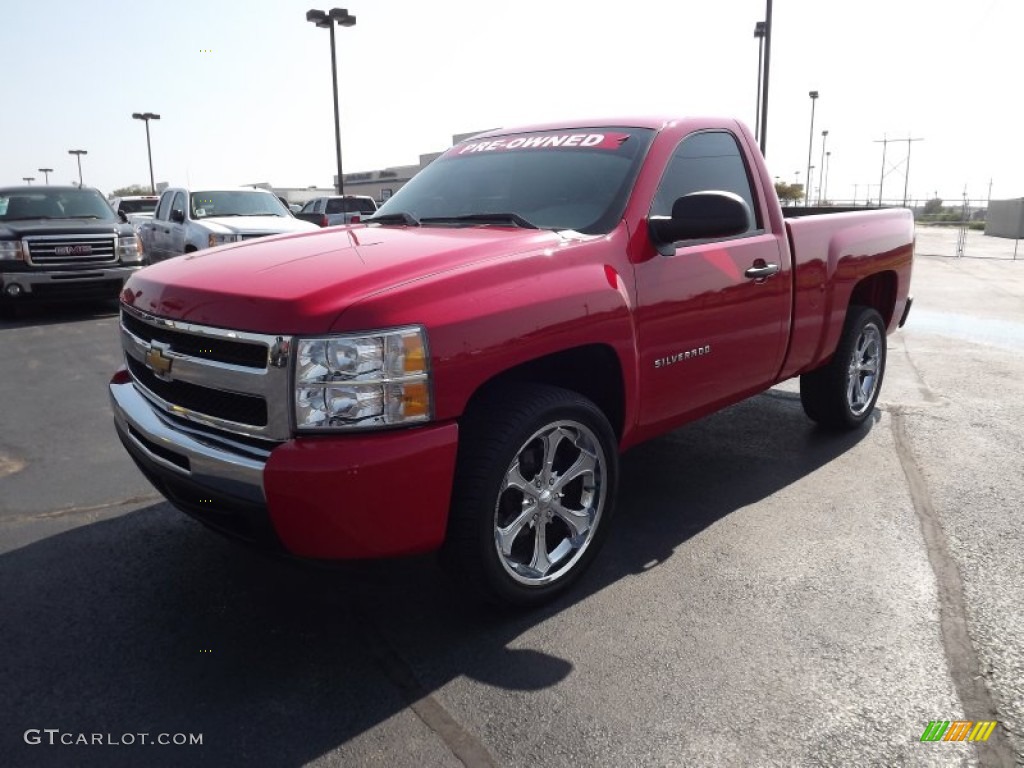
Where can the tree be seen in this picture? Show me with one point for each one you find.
(789, 193)
(933, 206)
(132, 190)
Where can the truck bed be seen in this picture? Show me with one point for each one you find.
(833, 250)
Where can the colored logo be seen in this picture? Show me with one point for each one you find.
(958, 730)
(158, 363)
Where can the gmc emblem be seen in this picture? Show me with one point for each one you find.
(72, 250)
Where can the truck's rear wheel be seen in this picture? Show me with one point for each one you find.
(842, 394)
(534, 492)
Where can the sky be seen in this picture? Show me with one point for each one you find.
(243, 87)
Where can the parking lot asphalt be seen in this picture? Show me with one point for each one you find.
(770, 594)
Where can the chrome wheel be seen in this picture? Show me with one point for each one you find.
(862, 372)
(550, 502)
(841, 394)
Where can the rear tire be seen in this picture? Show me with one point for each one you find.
(534, 493)
(842, 394)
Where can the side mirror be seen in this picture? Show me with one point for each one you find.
(123, 217)
(699, 216)
(178, 216)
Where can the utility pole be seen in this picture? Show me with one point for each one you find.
(906, 175)
(885, 141)
(881, 181)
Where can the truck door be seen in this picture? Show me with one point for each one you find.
(155, 237)
(177, 229)
(714, 315)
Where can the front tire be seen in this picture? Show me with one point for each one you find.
(841, 394)
(534, 493)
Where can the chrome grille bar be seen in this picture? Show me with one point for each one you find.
(71, 250)
(175, 365)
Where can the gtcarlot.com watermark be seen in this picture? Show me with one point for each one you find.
(57, 737)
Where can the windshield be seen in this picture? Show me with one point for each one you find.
(137, 206)
(575, 179)
(236, 203)
(54, 204)
(351, 205)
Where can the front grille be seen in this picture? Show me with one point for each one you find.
(204, 347)
(71, 251)
(232, 386)
(252, 235)
(229, 406)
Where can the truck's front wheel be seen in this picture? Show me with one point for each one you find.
(534, 492)
(842, 394)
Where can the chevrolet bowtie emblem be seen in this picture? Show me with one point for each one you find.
(159, 363)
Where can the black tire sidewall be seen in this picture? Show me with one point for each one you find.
(477, 487)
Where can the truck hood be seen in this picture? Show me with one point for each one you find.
(17, 229)
(301, 283)
(256, 224)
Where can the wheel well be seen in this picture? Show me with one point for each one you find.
(877, 291)
(190, 248)
(593, 371)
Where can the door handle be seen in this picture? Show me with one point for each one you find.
(761, 271)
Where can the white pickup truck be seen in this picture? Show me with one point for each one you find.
(134, 209)
(334, 210)
(190, 220)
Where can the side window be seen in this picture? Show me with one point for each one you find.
(308, 207)
(163, 208)
(179, 202)
(703, 162)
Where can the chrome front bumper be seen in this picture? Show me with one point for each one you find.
(173, 450)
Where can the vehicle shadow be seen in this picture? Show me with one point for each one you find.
(36, 313)
(148, 623)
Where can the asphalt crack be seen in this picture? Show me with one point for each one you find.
(466, 747)
(965, 667)
(78, 510)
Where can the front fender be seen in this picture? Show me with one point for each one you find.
(485, 319)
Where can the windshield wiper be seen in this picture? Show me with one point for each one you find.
(24, 218)
(484, 218)
(265, 213)
(394, 218)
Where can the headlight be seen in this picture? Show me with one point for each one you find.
(129, 249)
(362, 382)
(11, 250)
(216, 240)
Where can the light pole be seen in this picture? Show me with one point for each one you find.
(810, 148)
(759, 34)
(767, 67)
(46, 172)
(29, 179)
(79, 153)
(343, 18)
(824, 138)
(147, 116)
(824, 178)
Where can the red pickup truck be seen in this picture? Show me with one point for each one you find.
(461, 371)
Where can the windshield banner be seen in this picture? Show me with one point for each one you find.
(588, 140)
